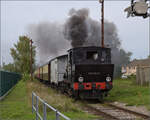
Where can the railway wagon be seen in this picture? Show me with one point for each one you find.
(85, 72)
(58, 70)
(53, 71)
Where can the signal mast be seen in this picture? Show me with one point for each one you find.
(102, 23)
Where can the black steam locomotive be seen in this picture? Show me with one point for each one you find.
(85, 72)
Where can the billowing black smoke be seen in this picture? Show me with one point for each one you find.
(53, 39)
(75, 28)
(82, 30)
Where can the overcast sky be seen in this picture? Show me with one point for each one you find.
(16, 16)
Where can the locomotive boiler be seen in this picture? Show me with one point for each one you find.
(85, 72)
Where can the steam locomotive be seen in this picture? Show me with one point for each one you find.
(85, 72)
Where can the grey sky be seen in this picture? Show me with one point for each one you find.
(16, 16)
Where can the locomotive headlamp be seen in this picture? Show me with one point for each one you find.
(80, 79)
(108, 79)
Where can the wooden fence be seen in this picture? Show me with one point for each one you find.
(143, 75)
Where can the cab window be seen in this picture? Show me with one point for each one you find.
(92, 55)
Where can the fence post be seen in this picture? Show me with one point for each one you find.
(37, 108)
(32, 102)
(57, 115)
(44, 112)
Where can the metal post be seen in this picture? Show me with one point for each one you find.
(57, 115)
(32, 102)
(44, 112)
(49, 73)
(102, 23)
(149, 30)
(37, 110)
(31, 58)
(42, 73)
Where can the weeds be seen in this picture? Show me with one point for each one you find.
(59, 101)
(14, 106)
(124, 90)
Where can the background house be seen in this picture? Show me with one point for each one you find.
(131, 68)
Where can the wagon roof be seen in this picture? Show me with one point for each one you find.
(61, 56)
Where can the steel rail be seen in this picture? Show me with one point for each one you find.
(100, 112)
(97, 111)
(129, 111)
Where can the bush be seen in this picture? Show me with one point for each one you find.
(25, 76)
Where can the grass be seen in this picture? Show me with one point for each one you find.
(15, 106)
(64, 104)
(125, 90)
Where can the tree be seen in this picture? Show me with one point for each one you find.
(9, 67)
(123, 59)
(21, 55)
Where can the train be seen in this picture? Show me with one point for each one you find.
(84, 72)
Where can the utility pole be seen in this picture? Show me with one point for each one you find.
(102, 23)
(149, 29)
(31, 42)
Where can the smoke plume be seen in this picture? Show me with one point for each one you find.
(53, 39)
(76, 28)
(82, 30)
(49, 40)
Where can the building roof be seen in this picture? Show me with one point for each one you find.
(143, 62)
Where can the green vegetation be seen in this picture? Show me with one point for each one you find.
(9, 67)
(126, 91)
(21, 56)
(17, 105)
(64, 104)
(124, 58)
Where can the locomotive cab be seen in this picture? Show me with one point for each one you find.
(90, 71)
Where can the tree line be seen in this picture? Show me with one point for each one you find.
(21, 56)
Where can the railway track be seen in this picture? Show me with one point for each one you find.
(113, 112)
